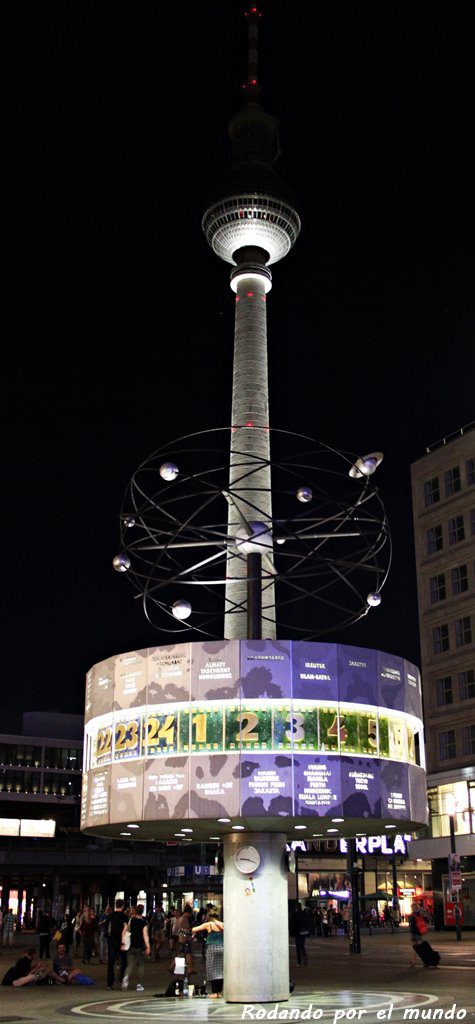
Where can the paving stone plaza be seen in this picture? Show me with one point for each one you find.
(377, 985)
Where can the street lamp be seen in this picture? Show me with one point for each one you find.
(450, 811)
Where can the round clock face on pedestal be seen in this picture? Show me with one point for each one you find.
(247, 859)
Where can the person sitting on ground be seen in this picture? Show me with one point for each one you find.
(28, 970)
(63, 971)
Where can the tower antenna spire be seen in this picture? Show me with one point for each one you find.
(253, 16)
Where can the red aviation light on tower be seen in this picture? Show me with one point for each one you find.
(253, 12)
(252, 84)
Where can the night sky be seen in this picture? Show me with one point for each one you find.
(120, 318)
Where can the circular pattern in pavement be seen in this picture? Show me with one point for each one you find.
(149, 1009)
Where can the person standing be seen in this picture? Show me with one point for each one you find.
(184, 947)
(214, 952)
(415, 934)
(8, 927)
(67, 932)
(200, 919)
(45, 929)
(77, 931)
(300, 928)
(156, 925)
(114, 940)
(103, 925)
(139, 947)
(88, 931)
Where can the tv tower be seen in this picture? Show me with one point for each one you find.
(253, 740)
(251, 223)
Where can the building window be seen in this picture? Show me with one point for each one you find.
(459, 580)
(434, 539)
(468, 739)
(443, 690)
(467, 685)
(470, 471)
(437, 588)
(463, 631)
(456, 530)
(63, 757)
(431, 491)
(472, 521)
(446, 745)
(453, 482)
(440, 638)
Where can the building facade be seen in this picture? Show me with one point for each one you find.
(46, 862)
(443, 494)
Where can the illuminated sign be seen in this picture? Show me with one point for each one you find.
(364, 845)
(33, 828)
(258, 729)
(263, 726)
(378, 844)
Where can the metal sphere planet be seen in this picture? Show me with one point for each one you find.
(255, 540)
(181, 609)
(305, 494)
(121, 562)
(168, 471)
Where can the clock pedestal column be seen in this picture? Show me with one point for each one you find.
(256, 939)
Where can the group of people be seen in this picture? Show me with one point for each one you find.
(30, 969)
(320, 921)
(124, 939)
(132, 937)
(86, 928)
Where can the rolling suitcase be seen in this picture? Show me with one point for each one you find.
(429, 956)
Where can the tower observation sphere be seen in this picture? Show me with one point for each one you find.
(251, 222)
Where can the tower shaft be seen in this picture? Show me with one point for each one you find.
(249, 472)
